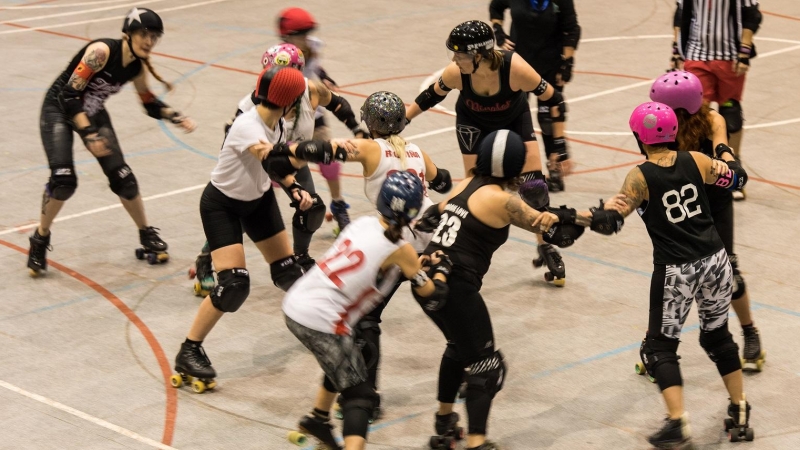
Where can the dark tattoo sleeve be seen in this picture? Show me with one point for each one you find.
(635, 190)
(96, 59)
(520, 214)
(77, 83)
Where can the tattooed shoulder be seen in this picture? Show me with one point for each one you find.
(96, 58)
(635, 189)
(519, 214)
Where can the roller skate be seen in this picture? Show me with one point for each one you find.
(673, 434)
(37, 255)
(320, 429)
(193, 366)
(377, 412)
(485, 446)
(555, 180)
(447, 432)
(556, 272)
(738, 424)
(153, 248)
(305, 261)
(640, 367)
(339, 212)
(203, 275)
(753, 357)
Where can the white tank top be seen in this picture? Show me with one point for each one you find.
(300, 127)
(389, 164)
(347, 281)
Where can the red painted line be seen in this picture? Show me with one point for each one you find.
(172, 396)
(607, 147)
(618, 75)
(775, 183)
(402, 77)
(782, 16)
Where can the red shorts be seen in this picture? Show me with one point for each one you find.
(720, 82)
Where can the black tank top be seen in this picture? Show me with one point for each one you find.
(109, 80)
(468, 242)
(494, 111)
(718, 198)
(677, 217)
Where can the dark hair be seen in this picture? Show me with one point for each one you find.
(692, 128)
(508, 184)
(395, 232)
(494, 58)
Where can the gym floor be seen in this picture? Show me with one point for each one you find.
(87, 350)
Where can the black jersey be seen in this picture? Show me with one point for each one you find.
(468, 242)
(493, 111)
(718, 198)
(540, 29)
(109, 80)
(677, 216)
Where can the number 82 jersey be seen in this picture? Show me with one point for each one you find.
(677, 215)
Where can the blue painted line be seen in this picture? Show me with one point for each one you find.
(92, 160)
(182, 144)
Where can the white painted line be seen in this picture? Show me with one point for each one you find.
(607, 92)
(76, 13)
(63, 5)
(772, 124)
(776, 52)
(626, 38)
(429, 133)
(106, 19)
(103, 208)
(80, 414)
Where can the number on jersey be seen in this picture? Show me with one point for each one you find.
(344, 260)
(448, 230)
(679, 205)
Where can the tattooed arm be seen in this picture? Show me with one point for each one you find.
(94, 59)
(523, 216)
(632, 194)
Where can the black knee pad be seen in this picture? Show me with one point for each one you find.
(63, 182)
(734, 117)
(311, 219)
(721, 348)
(739, 287)
(545, 120)
(660, 357)
(359, 401)
(232, 289)
(123, 182)
(285, 272)
(487, 375)
(368, 332)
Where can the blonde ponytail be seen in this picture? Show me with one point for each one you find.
(399, 145)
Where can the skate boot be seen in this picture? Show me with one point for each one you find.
(320, 429)
(640, 368)
(305, 261)
(672, 434)
(339, 212)
(485, 446)
(153, 247)
(738, 424)
(555, 182)
(203, 275)
(556, 272)
(447, 432)
(193, 366)
(753, 356)
(37, 255)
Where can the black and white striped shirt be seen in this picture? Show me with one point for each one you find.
(715, 30)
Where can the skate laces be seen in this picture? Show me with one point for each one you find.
(750, 341)
(199, 356)
(40, 247)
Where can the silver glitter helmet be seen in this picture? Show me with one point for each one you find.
(384, 113)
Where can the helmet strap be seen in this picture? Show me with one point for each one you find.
(475, 63)
(130, 45)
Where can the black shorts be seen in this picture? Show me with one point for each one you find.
(470, 133)
(224, 218)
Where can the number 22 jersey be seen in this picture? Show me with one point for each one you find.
(678, 216)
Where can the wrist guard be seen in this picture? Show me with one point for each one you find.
(442, 182)
(744, 54)
(435, 301)
(722, 148)
(565, 70)
(444, 266)
(606, 221)
(430, 220)
(320, 152)
(499, 34)
(154, 107)
(565, 215)
(419, 279)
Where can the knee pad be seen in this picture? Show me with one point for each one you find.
(487, 375)
(739, 286)
(545, 120)
(359, 400)
(734, 117)
(232, 289)
(721, 349)
(331, 171)
(368, 331)
(311, 219)
(285, 272)
(123, 182)
(660, 357)
(63, 183)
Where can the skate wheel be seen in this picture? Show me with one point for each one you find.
(336, 231)
(198, 386)
(728, 424)
(211, 384)
(651, 379)
(435, 442)
(162, 257)
(152, 258)
(537, 263)
(639, 369)
(749, 435)
(733, 435)
(176, 381)
(198, 290)
(548, 276)
(759, 365)
(139, 253)
(297, 438)
(34, 273)
(337, 411)
(560, 282)
(459, 433)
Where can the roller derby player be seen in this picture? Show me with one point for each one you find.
(323, 308)
(493, 94)
(75, 103)
(690, 263)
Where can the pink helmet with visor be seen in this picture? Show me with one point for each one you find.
(284, 55)
(678, 89)
(654, 123)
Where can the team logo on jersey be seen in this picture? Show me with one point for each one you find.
(649, 121)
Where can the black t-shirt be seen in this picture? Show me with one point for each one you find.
(468, 242)
(493, 111)
(109, 80)
(677, 216)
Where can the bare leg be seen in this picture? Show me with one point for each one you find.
(50, 209)
(734, 385)
(742, 307)
(673, 397)
(324, 400)
(533, 160)
(445, 408)
(354, 443)
(135, 209)
(274, 248)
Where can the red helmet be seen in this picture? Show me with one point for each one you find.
(295, 21)
(280, 86)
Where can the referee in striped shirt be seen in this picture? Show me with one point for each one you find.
(715, 38)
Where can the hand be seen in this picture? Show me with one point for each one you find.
(616, 203)
(186, 123)
(97, 145)
(544, 221)
(303, 198)
(742, 63)
(677, 59)
(345, 144)
(719, 167)
(262, 149)
(425, 262)
(508, 45)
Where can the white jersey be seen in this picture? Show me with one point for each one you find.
(301, 127)
(312, 67)
(347, 282)
(389, 164)
(238, 174)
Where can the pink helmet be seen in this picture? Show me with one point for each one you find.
(284, 55)
(678, 89)
(654, 123)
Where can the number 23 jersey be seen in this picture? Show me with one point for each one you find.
(678, 216)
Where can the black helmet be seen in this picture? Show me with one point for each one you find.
(472, 36)
(384, 113)
(501, 154)
(142, 19)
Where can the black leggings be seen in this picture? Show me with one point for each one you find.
(302, 239)
(470, 133)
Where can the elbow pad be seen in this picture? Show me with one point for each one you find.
(735, 179)
(340, 108)
(442, 182)
(320, 152)
(71, 101)
(751, 18)
(428, 98)
(606, 221)
(436, 300)
(278, 166)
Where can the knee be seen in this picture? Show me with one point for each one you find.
(721, 349)
(331, 171)
(123, 182)
(63, 183)
(487, 375)
(285, 272)
(358, 401)
(660, 356)
(734, 117)
(232, 289)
